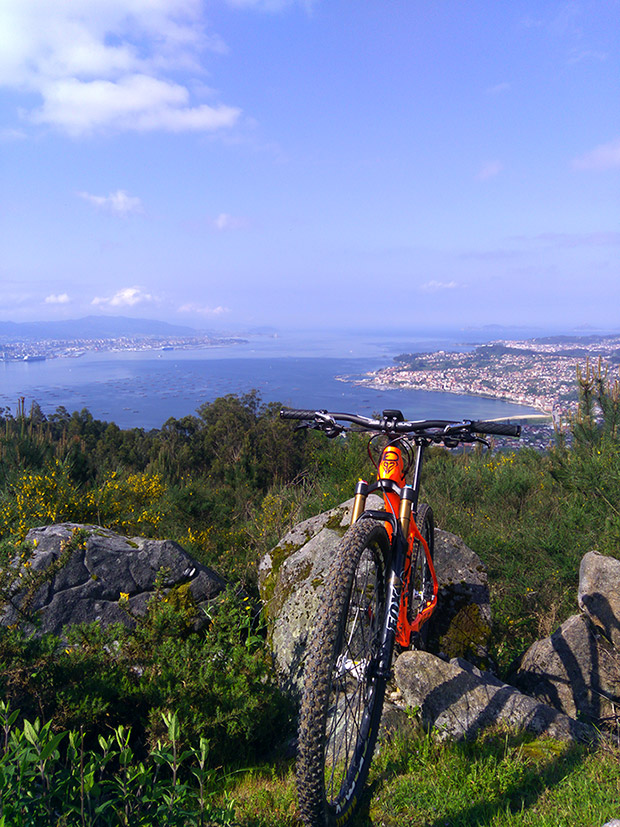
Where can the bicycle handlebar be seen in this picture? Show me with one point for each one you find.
(392, 423)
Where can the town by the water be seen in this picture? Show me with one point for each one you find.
(540, 373)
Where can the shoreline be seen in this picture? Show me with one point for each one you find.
(386, 386)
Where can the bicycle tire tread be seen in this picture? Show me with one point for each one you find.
(317, 679)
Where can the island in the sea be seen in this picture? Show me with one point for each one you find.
(540, 373)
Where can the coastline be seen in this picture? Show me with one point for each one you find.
(546, 412)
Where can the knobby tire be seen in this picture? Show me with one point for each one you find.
(343, 695)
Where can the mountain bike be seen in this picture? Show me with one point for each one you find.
(381, 591)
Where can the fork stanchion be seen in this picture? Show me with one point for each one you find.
(359, 502)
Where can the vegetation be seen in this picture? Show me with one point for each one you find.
(133, 727)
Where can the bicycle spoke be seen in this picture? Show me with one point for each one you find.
(352, 688)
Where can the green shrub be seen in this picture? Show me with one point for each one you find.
(52, 778)
(218, 680)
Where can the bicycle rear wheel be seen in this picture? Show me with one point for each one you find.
(421, 581)
(343, 695)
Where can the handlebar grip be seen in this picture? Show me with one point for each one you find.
(295, 413)
(496, 428)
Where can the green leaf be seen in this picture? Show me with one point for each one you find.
(30, 732)
(174, 728)
(51, 745)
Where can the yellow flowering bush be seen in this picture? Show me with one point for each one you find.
(131, 504)
(38, 499)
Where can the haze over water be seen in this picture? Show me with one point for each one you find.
(145, 388)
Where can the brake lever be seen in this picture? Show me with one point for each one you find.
(461, 437)
(332, 431)
(330, 428)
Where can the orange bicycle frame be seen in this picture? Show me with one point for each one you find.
(391, 467)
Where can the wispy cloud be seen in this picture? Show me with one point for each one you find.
(584, 55)
(126, 297)
(489, 170)
(602, 157)
(118, 203)
(491, 255)
(498, 89)
(203, 310)
(225, 221)
(108, 64)
(437, 286)
(57, 298)
(7, 135)
(570, 240)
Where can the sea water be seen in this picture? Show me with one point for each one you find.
(145, 388)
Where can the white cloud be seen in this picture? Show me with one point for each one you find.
(108, 64)
(602, 157)
(118, 203)
(203, 310)
(136, 103)
(498, 89)
(57, 298)
(489, 170)
(224, 222)
(435, 286)
(127, 297)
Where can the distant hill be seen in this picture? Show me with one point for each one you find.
(93, 327)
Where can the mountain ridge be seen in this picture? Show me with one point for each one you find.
(93, 327)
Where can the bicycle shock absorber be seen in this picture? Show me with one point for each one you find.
(359, 503)
(406, 502)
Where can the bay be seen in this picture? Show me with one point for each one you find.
(145, 388)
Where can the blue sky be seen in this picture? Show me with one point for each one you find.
(311, 164)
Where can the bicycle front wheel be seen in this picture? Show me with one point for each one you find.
(343, 695)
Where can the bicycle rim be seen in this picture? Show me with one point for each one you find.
(421, 582)
(343, 695)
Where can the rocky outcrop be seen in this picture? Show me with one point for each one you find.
(577, 668)
(83, 581)
(292, 574)
(459, 701)
(461, 626)
(599, 594)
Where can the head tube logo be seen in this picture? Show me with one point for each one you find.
(390, 463)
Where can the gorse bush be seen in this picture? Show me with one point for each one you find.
(131, 504)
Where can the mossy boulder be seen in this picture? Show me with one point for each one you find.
(83, 573)
(291, 577)
(292, 574)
